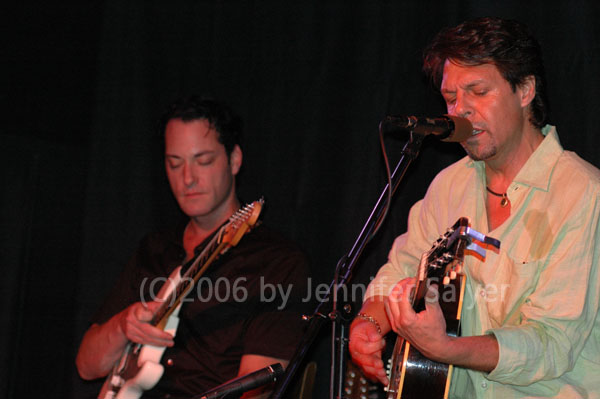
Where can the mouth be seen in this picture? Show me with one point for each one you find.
(476, 132)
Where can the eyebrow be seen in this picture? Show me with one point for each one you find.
(468, 86)
(199, 154)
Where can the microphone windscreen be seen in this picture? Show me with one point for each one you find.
(463, 129)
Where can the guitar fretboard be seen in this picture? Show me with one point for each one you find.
(215, 247)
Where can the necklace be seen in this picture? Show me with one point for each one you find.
(504, 202)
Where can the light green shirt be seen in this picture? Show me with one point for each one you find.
(539, 295)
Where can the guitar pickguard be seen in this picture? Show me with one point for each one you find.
(139, 369)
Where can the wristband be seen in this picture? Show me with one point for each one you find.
(371, 319)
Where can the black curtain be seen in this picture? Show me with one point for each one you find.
(82, 166)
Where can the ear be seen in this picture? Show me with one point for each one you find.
(235, 159)
(527, 90)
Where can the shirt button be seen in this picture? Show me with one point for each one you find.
(484, 385)
(482, 293)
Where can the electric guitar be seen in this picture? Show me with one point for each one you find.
(139, 369)
(412, 375)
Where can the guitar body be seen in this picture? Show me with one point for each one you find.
(418, 376)
(139, 368)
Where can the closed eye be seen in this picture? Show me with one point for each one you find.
(174, 163)
(205, 159)
(449, 98)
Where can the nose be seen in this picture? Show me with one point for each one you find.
(189, 177)
(461, 106)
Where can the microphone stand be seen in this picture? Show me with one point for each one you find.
(340, 318)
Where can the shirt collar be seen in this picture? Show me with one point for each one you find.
(538, 169)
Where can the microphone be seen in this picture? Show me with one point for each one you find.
(446, 128)
(244, 383)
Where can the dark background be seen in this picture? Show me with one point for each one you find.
(83, 176)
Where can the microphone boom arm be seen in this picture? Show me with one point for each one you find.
(342, 276)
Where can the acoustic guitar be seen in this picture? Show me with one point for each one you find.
(412, 375)
(139, 369)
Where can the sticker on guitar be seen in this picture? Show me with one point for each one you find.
(139, 369)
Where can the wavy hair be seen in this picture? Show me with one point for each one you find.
(505, 43)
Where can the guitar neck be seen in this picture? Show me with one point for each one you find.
(227, 236)
(193, 273)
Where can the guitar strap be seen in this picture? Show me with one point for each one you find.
(199, 248)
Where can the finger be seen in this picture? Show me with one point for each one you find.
(368, 336)
(369, 348)
(152, 306)
(375, 374)
(398, 305)
(138, 329)
(371, 365)
(366, 347)
(432, 303)
(142, 313)
(153, 341)
(368, 362)
(391, 302)
(155, 332)
(149, 335)
(383, 377)
(376, 339)
(432, 294)
(407, 294)
(358, 344)
(145, 311)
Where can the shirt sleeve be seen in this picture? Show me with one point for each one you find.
(277, 326)
(124, 291)
(426, 221)
(141, 278)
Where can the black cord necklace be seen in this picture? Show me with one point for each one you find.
(504, 202)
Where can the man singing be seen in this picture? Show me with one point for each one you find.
(538, 335)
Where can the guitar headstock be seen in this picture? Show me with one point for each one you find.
(240, 222)
(444, 259)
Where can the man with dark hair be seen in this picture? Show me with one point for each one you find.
(530, 323)
(228, 326)
(220, 116)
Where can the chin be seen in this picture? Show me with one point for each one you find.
(194, 211)
(480, 154)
